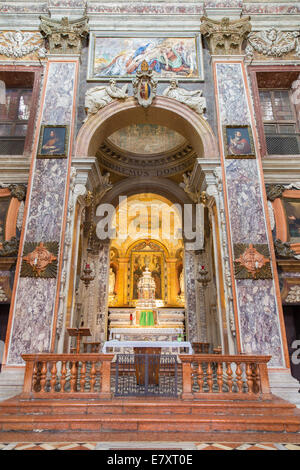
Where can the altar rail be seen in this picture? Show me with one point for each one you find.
(67, 375)
(200, 375)
(225, 376)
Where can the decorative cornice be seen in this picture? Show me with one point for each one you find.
(128, 164)
(64, 36)
(225, 37)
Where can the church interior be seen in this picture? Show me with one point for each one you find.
(150, 220)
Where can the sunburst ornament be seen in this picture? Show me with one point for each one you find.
(40, 260)
(251, 261)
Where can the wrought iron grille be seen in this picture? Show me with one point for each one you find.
(12, 145)
(146, 375)
(279, 144)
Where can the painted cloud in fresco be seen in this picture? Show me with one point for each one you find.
(167, 57)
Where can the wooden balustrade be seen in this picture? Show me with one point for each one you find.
(203, 376)
(67, 375)
(225, 376)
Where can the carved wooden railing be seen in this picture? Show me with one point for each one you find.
(225, 376)
(67, 375)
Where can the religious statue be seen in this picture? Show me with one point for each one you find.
(181, 283)
(111, 282)
(193, 99)
(99, 96)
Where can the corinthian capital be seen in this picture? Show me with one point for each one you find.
(225, 37)
(64, 36)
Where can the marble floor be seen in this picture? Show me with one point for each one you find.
(147, 446)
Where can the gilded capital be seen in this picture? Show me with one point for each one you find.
(64, 36)
(225, 37)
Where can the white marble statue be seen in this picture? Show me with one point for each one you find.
(193, 99)
(111, 282)
(181, 283)
(99, 96)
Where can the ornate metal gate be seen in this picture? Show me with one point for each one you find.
(146, 375)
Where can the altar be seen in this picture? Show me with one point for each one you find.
(168, 347)
(146, 334)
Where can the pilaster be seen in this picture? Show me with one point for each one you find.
(36, 296)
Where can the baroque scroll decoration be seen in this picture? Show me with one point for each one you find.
(64, 36)
(284, 250)
(252, 261)
(40, 260)
(273, 43)
(18, 44)
(100, 96)
(193, 99)
(225, 37)
(9, 247)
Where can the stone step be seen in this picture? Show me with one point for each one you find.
(276, 407)
(145, 423)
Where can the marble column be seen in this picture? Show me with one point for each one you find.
(35, 301)
(258, 312)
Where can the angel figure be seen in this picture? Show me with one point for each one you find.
(99, 96)
(193, 99)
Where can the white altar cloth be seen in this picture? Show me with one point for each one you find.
(115, 344)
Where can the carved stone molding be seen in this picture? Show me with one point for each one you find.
(40, 260)
(225, 37)
(273, 43)
(252, 261)
(18, 45)
(64, 36)
(166, 164)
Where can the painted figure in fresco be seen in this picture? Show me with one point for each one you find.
(156, 274)
(239, 145)
(54, 145)
(162, 56)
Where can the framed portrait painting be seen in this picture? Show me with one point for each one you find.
(168, 56)
(238, 142)
(53, 142)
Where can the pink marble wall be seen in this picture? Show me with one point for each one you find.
(35, 298)
(257, 303)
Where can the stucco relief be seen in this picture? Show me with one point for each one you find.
(19, 45)
(273, 43)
